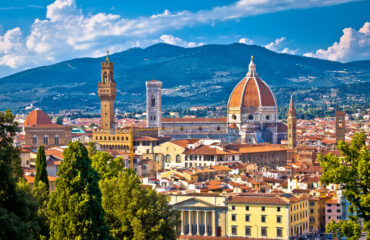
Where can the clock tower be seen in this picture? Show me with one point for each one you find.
(107, 94)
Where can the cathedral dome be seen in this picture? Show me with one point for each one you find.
(252, 91)
(37, 117)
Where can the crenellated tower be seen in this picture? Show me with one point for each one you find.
(107, 94)
(292, 125)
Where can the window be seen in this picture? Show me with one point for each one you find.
(338, 210)
(329, 210)
(278, 209)
(329, 205)
(34, 139)
(56, 140)
(312, 219)
(168, 158)
(279, 232)
(278, 219)
(312, 203)
(263, 218)
(178, 159)
(247, 231)
(46, 139)
(233, 217)
(264, 231)
(152, 102)
(267, 117)
(250, 117)
(232, 207)
(263, 208)
(234, 116)
(218, 128)
(234, 230)
(247, 218)
(246, 208)
(311, 210)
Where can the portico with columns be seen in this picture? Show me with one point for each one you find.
(201, 218)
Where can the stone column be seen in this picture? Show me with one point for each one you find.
(205, 224)
(190, 228)
(198, 223)
(182, 222)
(213, 223)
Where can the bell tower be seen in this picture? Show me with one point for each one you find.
(292, 125)
(107, 94)
(340, 126)
(154, 104)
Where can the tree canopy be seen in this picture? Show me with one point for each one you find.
(352, 172)
(18, 218)
(41, 173)
(75, 208)
(137, 212)
(107, 166)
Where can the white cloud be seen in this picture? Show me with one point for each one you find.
(353, 45)
(67, 33)
(246, 41)
(178, 41)
(277, 46)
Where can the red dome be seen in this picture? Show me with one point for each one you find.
(37, 117)
(251, 91)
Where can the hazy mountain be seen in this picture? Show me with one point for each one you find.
(197, 76)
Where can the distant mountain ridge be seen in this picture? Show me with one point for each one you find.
(197, 76)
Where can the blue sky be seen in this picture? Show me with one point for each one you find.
(52, 31)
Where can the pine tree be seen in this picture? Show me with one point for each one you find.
(75, 208)
(41, 173)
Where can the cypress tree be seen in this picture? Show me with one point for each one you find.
(41, 173)
(75, 208)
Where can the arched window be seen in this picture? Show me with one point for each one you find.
(152, 102)
(46, 139)
(151, 118)
(218, 128)
(56, 140)
(178, 159)
(105, 77)
(250, 117)
(168, 158)
(267, 117)
(154, 118)
(156, 158)
(34, 140)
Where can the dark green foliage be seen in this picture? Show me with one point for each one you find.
(41, 173)
(75, 208)
(41, 195)
(18, 210)
(352, 173)
(137, 212)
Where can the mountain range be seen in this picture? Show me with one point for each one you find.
(200, 76)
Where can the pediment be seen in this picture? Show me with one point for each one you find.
(193, 202)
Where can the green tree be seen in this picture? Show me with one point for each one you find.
(137, 212)
(17, 206)
(352, 172)
(91, 149)
(41, 173)
(75, 208)
(107, 166)
(41, 195)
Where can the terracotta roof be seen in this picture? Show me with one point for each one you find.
(251, 92)
(205, 150)
(194, 120)
(57, 153)
(263, 198)
(184, 142)
(31, 179)
(37, 117)
(233, 125)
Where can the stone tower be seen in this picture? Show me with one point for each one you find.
(340, 126)
(292, 125)
(154, 104)
(107, 94)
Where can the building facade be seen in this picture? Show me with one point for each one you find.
(39, 130)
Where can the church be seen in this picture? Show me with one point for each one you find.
(252, 115)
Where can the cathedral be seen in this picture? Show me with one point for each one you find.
(252, 116)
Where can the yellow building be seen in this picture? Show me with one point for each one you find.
(274, 216)
(317, 213)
